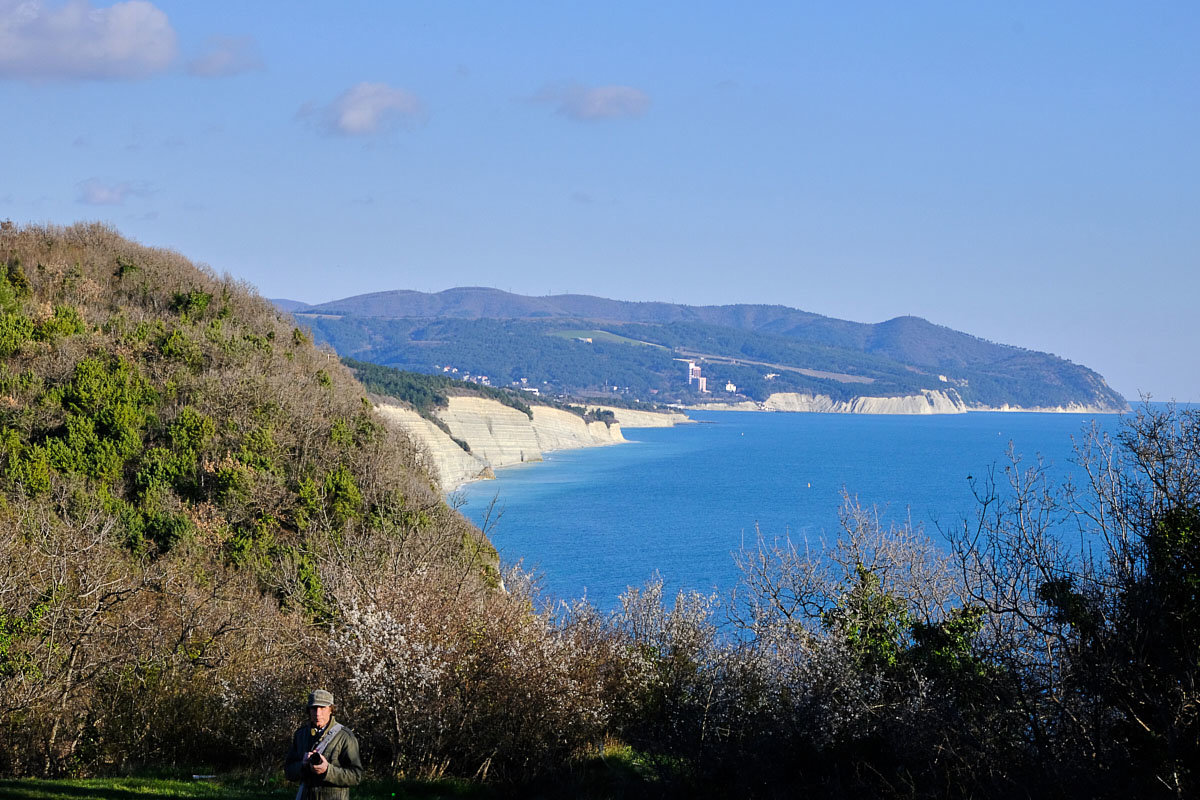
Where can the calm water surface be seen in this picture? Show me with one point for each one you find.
(679, 501)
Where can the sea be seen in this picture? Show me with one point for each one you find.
(678, 503)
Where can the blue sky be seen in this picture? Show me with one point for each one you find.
(1026, 172)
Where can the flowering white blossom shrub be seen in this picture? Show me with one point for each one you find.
(467, 686)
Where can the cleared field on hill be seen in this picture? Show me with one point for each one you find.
(604, 336)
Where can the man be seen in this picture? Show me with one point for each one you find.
(324, 754)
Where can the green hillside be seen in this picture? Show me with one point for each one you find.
(759, 349)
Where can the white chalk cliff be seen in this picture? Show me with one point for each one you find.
(441, 455)
(927, 402)
(498, 436)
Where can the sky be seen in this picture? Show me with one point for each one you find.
(1027, 172)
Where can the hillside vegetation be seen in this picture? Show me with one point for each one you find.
(508, 337)
(425, 392)
(191, 490)
(201, 518)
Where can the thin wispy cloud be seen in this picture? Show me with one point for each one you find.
(365, 109)
(226, 55)
(78, 41)
(96, 192)
(593, 103)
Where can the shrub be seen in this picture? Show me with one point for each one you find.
(175, 345)
(466, 688)
(15, 330)
(66, 321)
(191, 431)
(342, 495)
(191, 303)
(10, 292)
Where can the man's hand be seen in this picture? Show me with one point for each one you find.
(318, 764)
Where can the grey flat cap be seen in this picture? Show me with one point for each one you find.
(320, 697)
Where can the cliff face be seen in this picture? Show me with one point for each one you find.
(1070, 408)
(562, 430)
(441, 455)
(498, 436)
(927, 402)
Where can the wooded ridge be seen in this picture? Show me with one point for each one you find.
(580, 345)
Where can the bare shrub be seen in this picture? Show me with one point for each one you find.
(1092, 608)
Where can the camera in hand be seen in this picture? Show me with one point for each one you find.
(313, 759)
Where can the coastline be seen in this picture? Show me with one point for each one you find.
(927, 402)
(500, 436)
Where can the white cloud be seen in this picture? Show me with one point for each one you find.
(95, 192)
(39, 41)
(226, 55)
(585, 104)
(365, 109)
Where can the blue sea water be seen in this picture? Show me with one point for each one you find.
(680, 501)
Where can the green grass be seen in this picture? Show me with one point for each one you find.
(620, 773)
(604, 336)
(232, 788)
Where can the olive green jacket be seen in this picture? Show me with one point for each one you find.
(345, 765)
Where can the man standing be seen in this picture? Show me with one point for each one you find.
(324, 754)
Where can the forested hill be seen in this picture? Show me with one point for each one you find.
(508, 337)
(191, 493)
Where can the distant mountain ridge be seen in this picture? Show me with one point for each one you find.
(896, 337)
(418, 330)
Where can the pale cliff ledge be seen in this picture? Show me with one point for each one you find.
(1070, 408)
(500, 436)
(448, 463)
(927, 402)
(637, 418)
